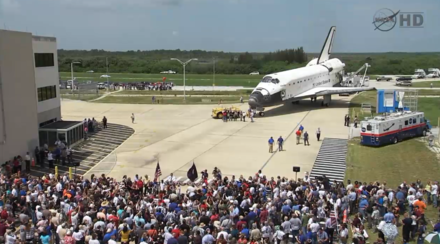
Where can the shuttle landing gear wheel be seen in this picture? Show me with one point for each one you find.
(395, 141)
(261, 114)
(424, 132)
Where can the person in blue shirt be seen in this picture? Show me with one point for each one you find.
(45, 238)
(172, 206)
(271, 141)
(280, 143)
(109, 234)
(286, 209)
(245, 231)
(363, 204)
(301, 238)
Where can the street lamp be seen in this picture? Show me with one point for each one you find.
(71, 72)
(213, 72)
(184, 78)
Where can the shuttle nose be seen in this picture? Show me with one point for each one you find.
(255, 100)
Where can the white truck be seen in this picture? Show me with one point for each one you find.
(419, 74)
(433, 73)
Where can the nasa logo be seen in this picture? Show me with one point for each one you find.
(384, 19)
(363, 129)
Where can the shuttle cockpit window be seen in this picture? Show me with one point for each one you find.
(275, 81)
(266, 79)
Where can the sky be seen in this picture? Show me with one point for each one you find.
(222, 25)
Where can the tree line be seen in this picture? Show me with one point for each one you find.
(156, 61)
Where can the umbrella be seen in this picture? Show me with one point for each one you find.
(433, 238)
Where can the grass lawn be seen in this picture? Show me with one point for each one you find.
(169, 100)
(92, 92)
(427, 84)
(191, 79)
(406, 161)
(364, 97)
(428, 92)
(429, 105)
(82, 97)
(244, 93)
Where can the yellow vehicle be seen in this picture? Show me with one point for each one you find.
(217, 113)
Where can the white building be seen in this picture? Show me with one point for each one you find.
(47, 79)
(29, 91)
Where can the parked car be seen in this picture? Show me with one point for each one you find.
(402, 78)
(255, 73)
(105, 76)
(90, 71)
(404, 81)
(168, 72)
(101, 85)
(385, 78)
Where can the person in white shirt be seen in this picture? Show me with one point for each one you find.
(434, 194)
(112, 240)
(10, 237)
(27, 159)
(50, 159)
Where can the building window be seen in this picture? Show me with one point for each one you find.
(46, 93)
(44, 60)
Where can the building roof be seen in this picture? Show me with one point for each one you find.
(61, 125)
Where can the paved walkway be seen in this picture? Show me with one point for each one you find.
(106, 94)
(178, 135)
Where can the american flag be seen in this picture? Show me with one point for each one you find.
(158, 172)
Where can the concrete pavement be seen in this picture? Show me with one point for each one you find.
(177, 135)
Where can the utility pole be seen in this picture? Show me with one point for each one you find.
(184, 71)
(106, 65)
(213, 82)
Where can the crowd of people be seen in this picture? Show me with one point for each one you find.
(217, 209)
(233, 114)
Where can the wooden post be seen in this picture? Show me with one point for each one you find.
(70, 173)
(56, 171)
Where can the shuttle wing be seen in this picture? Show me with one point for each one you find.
(327, 48)
(321, 91)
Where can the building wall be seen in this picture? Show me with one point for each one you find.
(47, 76)
(18, 96)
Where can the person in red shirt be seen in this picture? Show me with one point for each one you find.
(240, 224)
(140, 185)
(114, 218)
(176, 233)
(214, 216)
(4, 214)
(263, 215)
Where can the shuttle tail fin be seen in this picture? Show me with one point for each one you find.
(327, 48)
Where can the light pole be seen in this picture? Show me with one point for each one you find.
(184, 78)
(213, 72)
(71, 72)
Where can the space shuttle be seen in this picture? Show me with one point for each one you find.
(320, 77)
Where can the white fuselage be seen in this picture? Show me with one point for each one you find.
(292, 83)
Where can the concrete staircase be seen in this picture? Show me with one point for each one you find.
(90, 152)
(331, 159)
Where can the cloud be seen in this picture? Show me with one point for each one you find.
(9, 6)
(175, 33)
